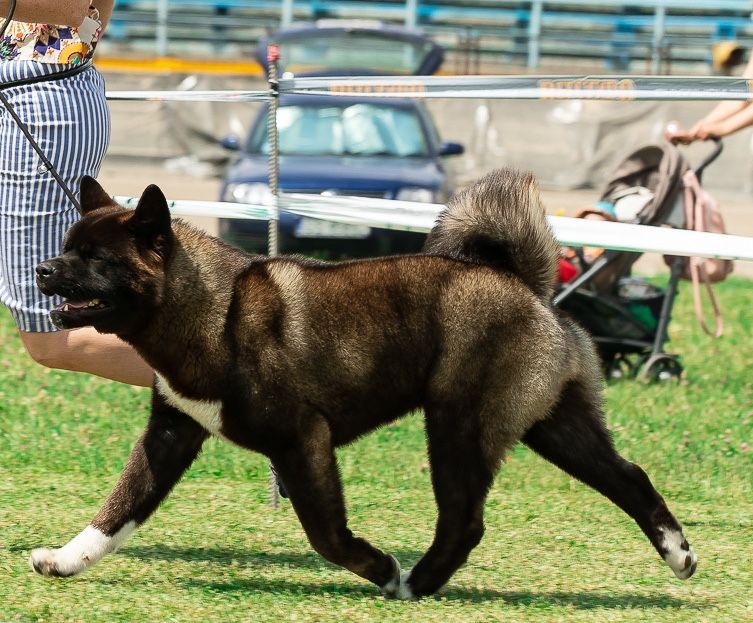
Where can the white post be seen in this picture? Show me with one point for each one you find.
(162, 13)
(659, 15)
(534, 33)
(411, 13)
(286, 16)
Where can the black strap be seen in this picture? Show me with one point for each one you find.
(57, 75)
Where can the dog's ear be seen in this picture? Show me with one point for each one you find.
(152, 215)
(93, 196)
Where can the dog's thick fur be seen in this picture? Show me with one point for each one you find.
(292, 358)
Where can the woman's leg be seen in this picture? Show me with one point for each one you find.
(86, 350)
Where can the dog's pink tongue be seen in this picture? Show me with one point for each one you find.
(72, 304)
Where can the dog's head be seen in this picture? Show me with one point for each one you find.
(112, 269)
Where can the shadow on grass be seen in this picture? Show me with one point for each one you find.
(250, 558)
(283, 587)
(580, 600)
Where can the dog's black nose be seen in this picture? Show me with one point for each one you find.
(45, 269)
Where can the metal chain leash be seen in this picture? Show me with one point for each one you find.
(273, 55)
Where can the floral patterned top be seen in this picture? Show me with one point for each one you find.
(44, 43)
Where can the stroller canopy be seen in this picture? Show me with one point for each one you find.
(659, 168)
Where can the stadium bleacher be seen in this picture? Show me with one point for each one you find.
(644, 35)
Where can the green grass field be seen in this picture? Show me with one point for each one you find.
(554, 550)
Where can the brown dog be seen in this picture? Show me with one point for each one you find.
(292, 358)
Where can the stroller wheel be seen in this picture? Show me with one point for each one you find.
(659, 367)
(618, 368)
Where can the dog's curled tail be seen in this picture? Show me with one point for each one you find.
(499, 220)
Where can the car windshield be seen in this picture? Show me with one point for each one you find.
(356, 51)
(357, 130)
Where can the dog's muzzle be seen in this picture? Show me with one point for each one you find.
(46, 272)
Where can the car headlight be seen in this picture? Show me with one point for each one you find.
(422, 195)
(255, 193)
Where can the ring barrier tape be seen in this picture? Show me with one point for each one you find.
(188, 96)
(620, 88)
(529, 87)
(420, 217)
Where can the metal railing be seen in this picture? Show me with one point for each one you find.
(648, 28)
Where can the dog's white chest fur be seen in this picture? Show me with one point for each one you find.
(205, 412)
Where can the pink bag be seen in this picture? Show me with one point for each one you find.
(702, 214)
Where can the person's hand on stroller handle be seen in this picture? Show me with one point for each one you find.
(701, 131)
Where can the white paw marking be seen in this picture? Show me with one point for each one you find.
(397, 587)
(390, 589)
(404, 591)
(682, 561)
(80, 553)
(205, 412)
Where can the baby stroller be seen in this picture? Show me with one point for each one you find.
(628, 317)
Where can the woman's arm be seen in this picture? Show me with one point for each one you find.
(724, 110)
(725, 118)
(58, 12)
(724, 127)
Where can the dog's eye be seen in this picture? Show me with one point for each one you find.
(88, 252)
(99, 255)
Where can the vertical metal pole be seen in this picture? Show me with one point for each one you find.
(659, 15)
(534, 34)
(273, 55)
(162, 12)
(411, 13)
(286, 15)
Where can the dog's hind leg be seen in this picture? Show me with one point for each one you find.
(462, 472)
(574, 437)
(308, 468)
(169, 445)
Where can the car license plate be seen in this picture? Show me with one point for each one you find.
(317, 228)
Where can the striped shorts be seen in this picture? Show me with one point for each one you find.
(70, 120)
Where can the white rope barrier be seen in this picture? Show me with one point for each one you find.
(188, 96)
(420, 217)
(621, 88)
(530, 87)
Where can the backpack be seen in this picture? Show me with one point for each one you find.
(702, 214)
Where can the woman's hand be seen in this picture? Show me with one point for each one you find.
(705, 130)
(701, 131)
(675, 133)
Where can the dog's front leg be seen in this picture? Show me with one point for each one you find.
(309, 470)
(169, 445)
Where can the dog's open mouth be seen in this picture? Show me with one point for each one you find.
(75, 307)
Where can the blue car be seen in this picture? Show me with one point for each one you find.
(385, 148)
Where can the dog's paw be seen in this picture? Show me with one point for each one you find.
(404, 591)
(679, 554)
(80, 553)
(398, 587)
(684, 563)
(46, 562)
